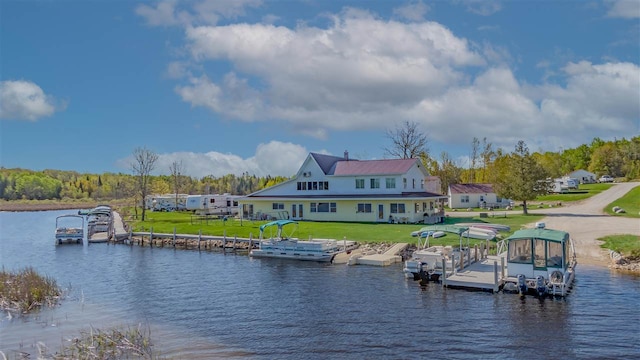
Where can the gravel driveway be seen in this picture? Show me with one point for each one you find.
(586, 222)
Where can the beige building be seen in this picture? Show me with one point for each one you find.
(331, 188)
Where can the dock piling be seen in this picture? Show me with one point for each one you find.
(174, 236)
(199, 238)
(444, 272)
(150, 237)
(495, 277)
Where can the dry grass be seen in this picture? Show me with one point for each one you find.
(25, 290)
(132, 343)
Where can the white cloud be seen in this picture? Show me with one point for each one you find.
(274, 158)
(357, 72)
(413, 11)
(24, 100)
(362, 72)
(205, 12)
(483, 7)
(628, 9)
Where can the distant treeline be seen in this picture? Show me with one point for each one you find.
(16, 184)
(618, 158)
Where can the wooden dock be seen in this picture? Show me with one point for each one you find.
(486, 274)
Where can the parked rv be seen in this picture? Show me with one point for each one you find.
(165, 202)
(216, 204)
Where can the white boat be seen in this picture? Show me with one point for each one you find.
(426, 263)
(69, 229)
(479, 233)
(100, 224)
(490, 226)
(283, 246)
(540, 261)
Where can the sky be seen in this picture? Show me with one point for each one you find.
(253, 86)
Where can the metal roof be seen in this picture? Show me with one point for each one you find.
(471, 188)
(545, 234)
(373, 167)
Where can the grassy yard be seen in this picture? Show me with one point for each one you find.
(629, 202)
(627, 245)
(165, 222)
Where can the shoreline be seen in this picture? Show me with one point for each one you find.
(11, 206)
(602, 259)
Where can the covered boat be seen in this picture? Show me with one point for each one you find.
(69, 229)
(283, 246)
(540, 261)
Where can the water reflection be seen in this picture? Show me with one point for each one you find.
(214, 305)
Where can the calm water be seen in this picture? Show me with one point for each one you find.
(203, 305)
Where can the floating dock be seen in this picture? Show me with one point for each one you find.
(486, 274)
(389, 257)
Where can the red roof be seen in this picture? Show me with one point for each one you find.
(471, 188)
(373, 167)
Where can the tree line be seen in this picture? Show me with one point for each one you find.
(507, 171)
(18, 184)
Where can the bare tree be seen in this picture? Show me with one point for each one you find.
(487, 156)
(473, 159)
(407, 141)
(144, 161)
(176, 169)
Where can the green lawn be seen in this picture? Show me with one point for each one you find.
(630, 202)
(627, 245)
(165, 222)
(585, 191)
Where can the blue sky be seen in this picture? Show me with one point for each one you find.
(237, 86)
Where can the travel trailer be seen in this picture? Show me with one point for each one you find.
(165, 202)
(216, 204)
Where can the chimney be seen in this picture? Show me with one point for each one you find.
(346, 155)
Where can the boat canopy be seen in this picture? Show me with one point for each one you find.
(278, 223)
(543, 234)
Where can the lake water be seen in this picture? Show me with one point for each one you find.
(204, 305)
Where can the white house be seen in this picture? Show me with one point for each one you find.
(583, 176)
(331, 188)
(462, 196)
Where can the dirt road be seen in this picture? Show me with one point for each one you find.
(586, 222)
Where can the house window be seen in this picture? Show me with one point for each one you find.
(364, 208)
(397, 208)
(464, 199)
(326, 185)
(302, 185)
(413, 183)
(417, 206)
(390, 183)
(278, 206)
(422, 184)
(375, 183)
(315, 185)
(359, 183)
(404, 182)
(323, 207)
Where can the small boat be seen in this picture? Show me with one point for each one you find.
(69, 234)
(494, 227)
(540, 261)
(283, 246)
(479, 233)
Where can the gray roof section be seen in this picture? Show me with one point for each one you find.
(327, 162)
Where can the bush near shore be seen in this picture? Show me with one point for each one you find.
(25, 290)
